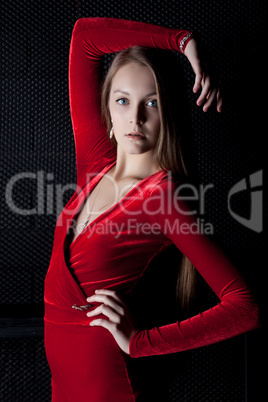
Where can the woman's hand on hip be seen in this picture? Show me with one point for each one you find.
(210, 90)
(120, 323)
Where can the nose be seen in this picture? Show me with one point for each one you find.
(138, 116)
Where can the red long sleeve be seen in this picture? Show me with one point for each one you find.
(92, 38)
(237, 311)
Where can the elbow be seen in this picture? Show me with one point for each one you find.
(243, 306)
(253, 317)
(83, 24)
(247, 312)
(78, 26)
(251, 308)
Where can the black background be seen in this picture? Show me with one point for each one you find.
(36, 136)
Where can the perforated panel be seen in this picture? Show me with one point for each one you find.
(25, 375)
(37, 144)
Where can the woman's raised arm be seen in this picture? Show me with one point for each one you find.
(92, 38)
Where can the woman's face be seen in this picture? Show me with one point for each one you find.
(133, 106)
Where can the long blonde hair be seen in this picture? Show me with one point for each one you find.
(168, 150)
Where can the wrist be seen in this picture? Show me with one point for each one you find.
(184, 41)
(132, 343)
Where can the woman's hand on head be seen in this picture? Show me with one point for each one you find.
(120, 323)
(209, 91)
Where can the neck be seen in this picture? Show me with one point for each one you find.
(136, 166)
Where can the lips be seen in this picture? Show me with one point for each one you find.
(135, 135)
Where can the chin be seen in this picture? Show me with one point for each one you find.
(133, 148)
(136, 150)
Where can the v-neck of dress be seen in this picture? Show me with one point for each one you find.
(87, 193)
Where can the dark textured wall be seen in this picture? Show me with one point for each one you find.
(37, 158)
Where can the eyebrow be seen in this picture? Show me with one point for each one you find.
(127, 93)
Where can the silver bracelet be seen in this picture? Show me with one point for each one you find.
(183, 40)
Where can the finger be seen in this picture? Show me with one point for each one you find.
(103, 323)
(198, 81)
(111, 293)
(205, 91)
(108, 301)
(219, 101)
(212, 96)
(208, 95)
(107, 311)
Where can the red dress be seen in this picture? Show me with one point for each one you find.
(116, 248)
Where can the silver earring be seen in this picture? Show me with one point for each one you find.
(111, 133)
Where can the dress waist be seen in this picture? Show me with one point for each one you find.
(71, 315)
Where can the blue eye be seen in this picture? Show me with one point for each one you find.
(122, 101)
(152, 103)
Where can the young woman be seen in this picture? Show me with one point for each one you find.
(125, 212)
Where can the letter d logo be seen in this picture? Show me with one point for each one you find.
(255, 220)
